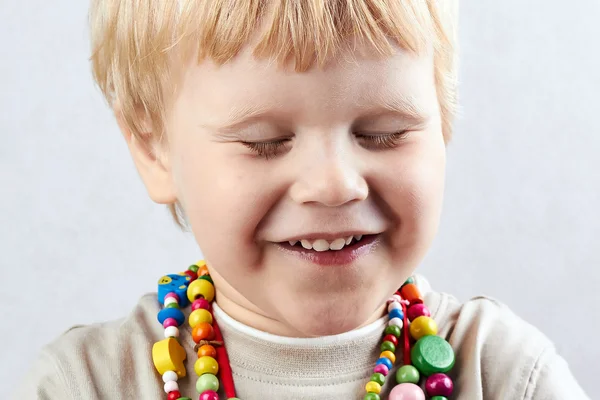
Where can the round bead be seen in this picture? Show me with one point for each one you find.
(394, 305)
(396, 321)
(172, 331)
(174, 313)
(378, 377)
(171, 300)
(203, 331)
(381, 369)
(385, 361)
(170, 376)
(206, 365)
(409, 280)
(371, 396)
(200, 303)
(207, 350)
(209, 395)
(193, 268)
(407, 374)
(432, 354)
(373, 387)
(395, 313)
(411, 292)
(439, 398)
(423, 326)
(206, 278)
(172, 296)
(201, 288)
(172, 305)
(407, 391)
(191, 274)
(393, 330)
(388, 346)
(203, 270)
(176, 395)
(199, 316)
(416, 311)
(439, 385)
(388, 354)
(207, 382)
(171, 386)
(391, 338)
(170, 322)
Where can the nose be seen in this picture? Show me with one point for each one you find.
(330, 181)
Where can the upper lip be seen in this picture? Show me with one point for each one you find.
(327, 235)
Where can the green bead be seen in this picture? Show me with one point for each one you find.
(407, 374)
(194, 268)
(207, 382)
(172, 305)
(393, 330)
(184, 398)
(371, 396)
(439, 398)
(409, 280)
(377, 377)
(432, 354)
(206, 278)
(388, 346)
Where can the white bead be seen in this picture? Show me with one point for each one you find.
(396, 321)
(170, 300)
(394, 305)
(171, 386)
(170, 376)
(171, 331)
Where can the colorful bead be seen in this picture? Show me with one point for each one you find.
(423, 326)
(209, 395)
(170, 322)
(171, 300)
(172, 305)
(371, 396)
(381, 369)
(378, 377)
(199, 316)
(169, 376)
(200, 288)
(373, 387)
(203, 270)
(416, 311)
(407, 391)
(396, 321)
(411, 292)
(206, 365)
(407, 374)
(388, 346)
(174, 313)
(207, 382)
(393, 330)
(168, 355)
(176, 395)
(409, 280)
(388, 354)
(176, 284)
(385, 361)
(172, 331)
(439, 385)
(200, 303)
(191, 274)
(171, 386)
(439, 398)
(206, 278)
(391, 338)
(193, 268)
(432, 354)
(203, 331)
(396, 313)
(207, 350)
(394, 305)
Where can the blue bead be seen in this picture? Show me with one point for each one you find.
(385, 361)
(171, 313)
(174, 283)
(396, 313)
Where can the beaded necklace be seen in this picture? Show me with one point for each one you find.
(423, 369)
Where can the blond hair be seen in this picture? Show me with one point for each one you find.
(133, 42)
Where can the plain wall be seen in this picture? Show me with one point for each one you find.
(80, 241)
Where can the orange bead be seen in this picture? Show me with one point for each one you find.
(207, 351)
(411, 293)
(203, 331)
(203, 270)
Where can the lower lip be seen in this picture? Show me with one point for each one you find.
(346, 256)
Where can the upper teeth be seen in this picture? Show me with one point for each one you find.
(324, 245)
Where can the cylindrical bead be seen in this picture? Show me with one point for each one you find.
(172, 331)
(411, 292)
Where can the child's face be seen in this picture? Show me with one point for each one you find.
(322, 178)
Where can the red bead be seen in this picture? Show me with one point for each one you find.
(200, 303)
(170, 322)
(173, 395)
(391, 338)
(191, 274)
(209, 395)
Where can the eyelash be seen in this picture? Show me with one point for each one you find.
(272, 149)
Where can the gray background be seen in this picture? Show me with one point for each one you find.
(80, 241)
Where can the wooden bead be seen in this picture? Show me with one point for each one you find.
(391, 338)
(170, 376)
(199, 316)
(176, 395)
(206, 365)
(207, 350)
(203, 331)
(168, 355)
(207, 382)
(423, 326)
(416, 311)
(432, 354)
(411, 292)
(388, 346)
(388, 354)
(407, 391)
(408, 374)
(201, 288)
(171, 386)
(174, 283)
(439, 385)
(203, 271)
(373, 387)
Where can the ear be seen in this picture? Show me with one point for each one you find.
(150, 160)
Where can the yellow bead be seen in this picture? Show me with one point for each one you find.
(206, 365)
(201, 263)
(168, 355)
(373, 387)
(198, 316)
(423, 326)
(389, 355)
(201, 287)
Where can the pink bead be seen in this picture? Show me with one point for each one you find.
(200, 303)
(209, 395)
(407, 391)
(382, 369)
(172, 295)
(170, 322)
(439, 385)
(417, 310)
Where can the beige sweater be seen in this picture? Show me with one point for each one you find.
(498, 356)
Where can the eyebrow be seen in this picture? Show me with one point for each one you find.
(400, 105)
(240, 116)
